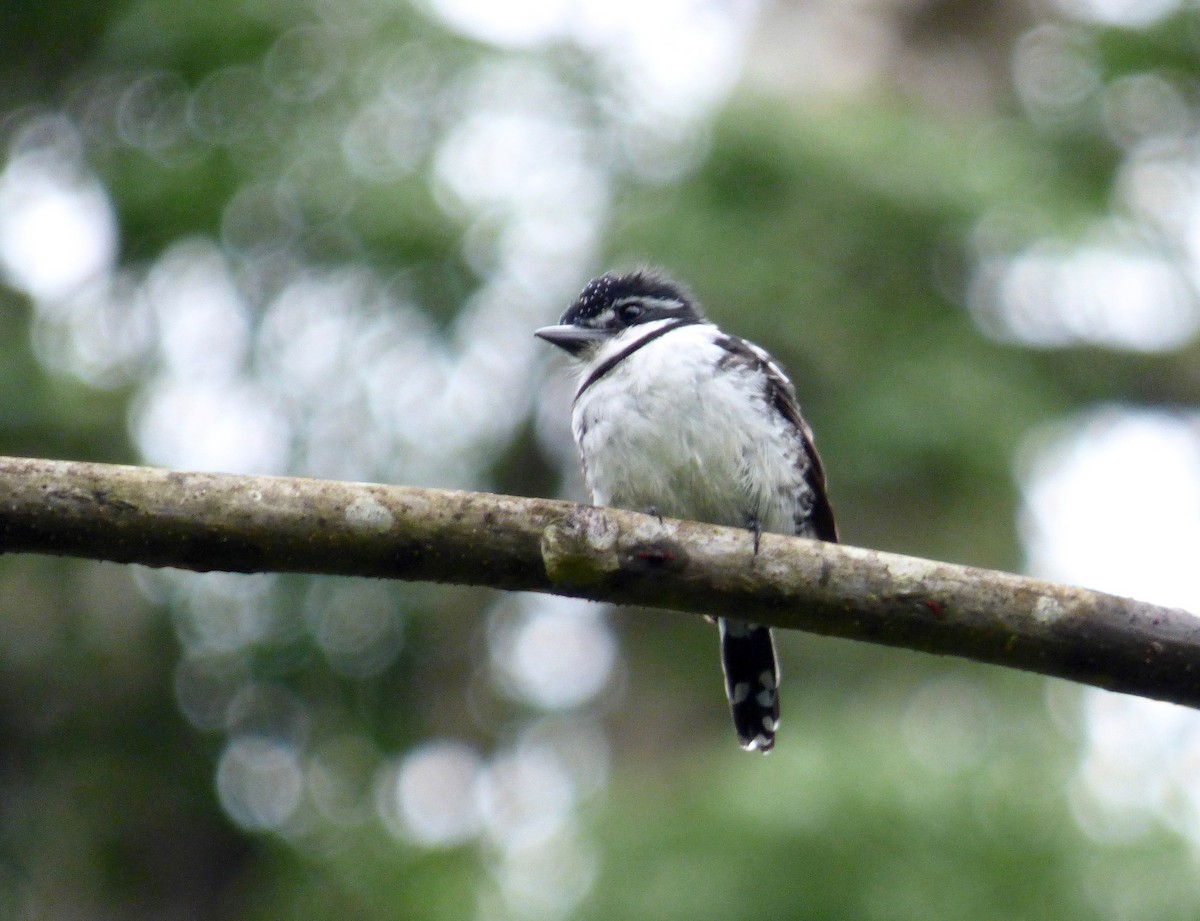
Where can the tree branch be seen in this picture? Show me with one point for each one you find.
(208, 521)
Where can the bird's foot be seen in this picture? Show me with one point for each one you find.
(755, 529)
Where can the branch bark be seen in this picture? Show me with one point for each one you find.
(208, 521)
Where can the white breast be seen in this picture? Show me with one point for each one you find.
(670, 429)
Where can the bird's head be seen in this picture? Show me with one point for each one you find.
(611, 304)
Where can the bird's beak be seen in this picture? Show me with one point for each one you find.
(573, 339)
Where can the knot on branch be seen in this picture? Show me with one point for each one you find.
(581, 548)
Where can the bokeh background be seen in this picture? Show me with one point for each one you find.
(314, 237)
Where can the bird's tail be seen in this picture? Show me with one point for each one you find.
(751, 682)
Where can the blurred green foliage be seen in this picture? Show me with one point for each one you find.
(839, 236)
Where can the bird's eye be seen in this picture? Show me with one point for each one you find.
(629, 312)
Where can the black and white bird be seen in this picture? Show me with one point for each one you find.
(674, 417)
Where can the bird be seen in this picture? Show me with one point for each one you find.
(676, 418)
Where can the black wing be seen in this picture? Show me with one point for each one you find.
(781, 396)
